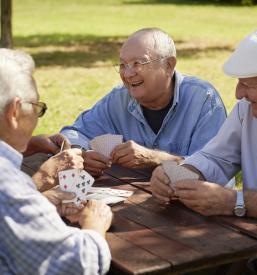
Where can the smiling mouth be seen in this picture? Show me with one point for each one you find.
(136, 84)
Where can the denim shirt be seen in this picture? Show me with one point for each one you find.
(233, 148)
(194, 118)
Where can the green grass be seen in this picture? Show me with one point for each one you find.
(75, 43)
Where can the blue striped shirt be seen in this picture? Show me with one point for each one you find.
(33, 237)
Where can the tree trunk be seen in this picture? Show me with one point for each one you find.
(6, 24)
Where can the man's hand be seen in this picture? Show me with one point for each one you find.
(46, 144)
(95, 163)
(160, 187)
(132, 155)
(47, 175)
(96, 216)
(56, 196)
(206, 198)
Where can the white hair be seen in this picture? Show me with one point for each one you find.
(16, 70)
(163, 44)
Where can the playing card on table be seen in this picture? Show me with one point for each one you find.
(104, 144)
(111, 191)
(80, 183)
(177, 172)
(105, 198)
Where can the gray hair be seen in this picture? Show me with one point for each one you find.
(16, 70)
(163, 44)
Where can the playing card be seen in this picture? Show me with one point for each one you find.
(84, 183)
(105, 198)
(76, 181)
(104, 144)
(68, 179)
(177, 172)
(111, 191)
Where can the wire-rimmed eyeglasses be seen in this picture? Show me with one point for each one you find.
(40, 107)
(135, 66)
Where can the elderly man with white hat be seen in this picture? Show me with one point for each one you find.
(233, 149)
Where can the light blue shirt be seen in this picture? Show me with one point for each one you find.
(194, 118)
(234, 148)
(33, 238)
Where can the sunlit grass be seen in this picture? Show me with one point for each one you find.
(75, 43)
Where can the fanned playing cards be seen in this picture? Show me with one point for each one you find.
(75, 181)
(80, 182)
(177, 172)
(104, 144)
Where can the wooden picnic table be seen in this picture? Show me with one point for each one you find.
(146, 238)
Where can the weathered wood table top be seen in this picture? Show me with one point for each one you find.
(146, 238)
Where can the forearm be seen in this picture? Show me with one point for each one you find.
(157, 157)
(250, 199)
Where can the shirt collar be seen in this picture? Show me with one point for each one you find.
(133, 104)
(11, 154)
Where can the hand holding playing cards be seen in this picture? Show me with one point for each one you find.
(56, 196)
(96, 216)
(160, 186)
(46, 144)
(47, 175)
(206, 198)
(132, 155)
(95, 163)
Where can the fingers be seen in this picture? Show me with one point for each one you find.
(123, 150)
(160, 186)
(95, 163)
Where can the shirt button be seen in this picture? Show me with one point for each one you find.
(155, 145)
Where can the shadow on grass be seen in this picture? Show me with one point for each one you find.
(68, 50)
(184, 2)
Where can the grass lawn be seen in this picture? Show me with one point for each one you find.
(75, 43)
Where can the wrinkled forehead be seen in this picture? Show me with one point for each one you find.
(138, 46)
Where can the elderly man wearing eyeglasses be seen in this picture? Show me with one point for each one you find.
(34, 239)
(161, 114)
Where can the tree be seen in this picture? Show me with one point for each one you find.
(6, 24)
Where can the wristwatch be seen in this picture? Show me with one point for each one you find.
(239, 209)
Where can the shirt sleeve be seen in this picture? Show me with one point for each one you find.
(220, 159)
(94, 122)
(211, 118)
(34, 239)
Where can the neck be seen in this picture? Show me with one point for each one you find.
(164, 99)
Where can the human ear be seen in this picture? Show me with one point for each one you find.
(171, 64)
(12, 112)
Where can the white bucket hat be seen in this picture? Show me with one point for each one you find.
(243, 61)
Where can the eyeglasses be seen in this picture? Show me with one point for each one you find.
(40, 107)
(135, 66)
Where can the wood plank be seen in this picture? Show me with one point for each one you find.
(244, 225)
(128, 258)
(199, 234)
(168, 249)
(126, 174)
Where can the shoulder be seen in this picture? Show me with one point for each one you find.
(118, 95)
(197, 85)
(13, 181)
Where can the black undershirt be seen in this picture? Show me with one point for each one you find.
(156, 117)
